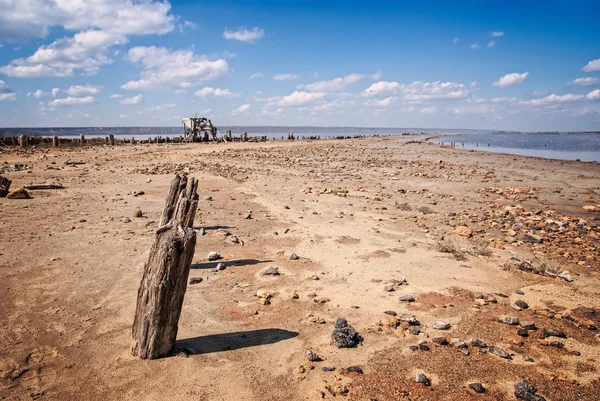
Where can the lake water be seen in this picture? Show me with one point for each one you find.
(585, 147)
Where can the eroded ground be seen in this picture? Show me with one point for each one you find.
(360, 214)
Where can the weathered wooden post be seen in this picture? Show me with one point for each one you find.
(161, 292)
(244, 137)
(82, 139)
(131, 141)
(111, 140)
(22, 141)
(54, 141)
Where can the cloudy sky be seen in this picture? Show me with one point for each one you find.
(431, 64)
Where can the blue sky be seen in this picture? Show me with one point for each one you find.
(431, 64)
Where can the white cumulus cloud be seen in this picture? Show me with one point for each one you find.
(37, 94)
(586, 81)
(298, 98)
(510, 79)
(83, 90)
(428, 110)
(216, 92)
(256, 75)
(116, 96)
(132, 100)
(166, 69)
(333, 85)
(418, 90)
(475, 46)
(491, 44)
(55, 92)
(23, 19)
(69, 101)
(285, 77)
(497, 34)
(245, 35)
(455, 41)
(243, 109)
(6, 94)
(592, 66)
(376, 76)
(593, 95)
(553, 98)
(85, 52)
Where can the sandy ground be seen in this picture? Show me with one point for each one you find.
(360, 214)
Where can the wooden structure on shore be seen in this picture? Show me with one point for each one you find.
(197, 129)
(163, 285)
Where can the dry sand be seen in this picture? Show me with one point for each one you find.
(360, 214)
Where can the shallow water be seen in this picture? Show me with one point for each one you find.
(585, 147)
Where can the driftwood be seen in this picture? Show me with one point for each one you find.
(4, 186)
(163, 285)
(43, 186)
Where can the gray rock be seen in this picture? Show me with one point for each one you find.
(565, 275)
(500, 352)
(421, 378)
(458, 343)
(388, 288)
(271, 271)
(355, 369)
(390, 312)
(293, 256)
(213, 256)
(525, 391)
(528, 359)
(523, 333)
(314, 277)
(521, 304)
(441, 325)
(553, 333)
(220, 266)
(407, 298)
(519, 292)
(195, 280)
(515, 307)
(513, 321)
(311, 356)
(327, 369)
(477, 387)
(475, 342)
(528, 325)
(344, 335)
(411, 319)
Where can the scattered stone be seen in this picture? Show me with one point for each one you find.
(475, 342)
(248, 216)
(407, 298)
(138, 213)
(440, 340)
(513, 321)
(293, 256)
(271, 271)
(458, 343)
(528, 359)
(413, 348)
(264, 297)
(519, 292)
(463, 231)
(523, 333)
(565, 275)
(337, 389)
(219, 267)
(344, 335)
(82, 220)
(421, 378)
(126, 220)
(19, 193)
(295, 296)
(441, 325)
(314, 277)
(526, 391)
(521, 304)
(312, 356)
(410, 319)
(465, 266)
(500, 352)
(552, 333)
(196, 280)
(423, 347)
(390, 312)
(388, 288)
(327, 369)
(528, 325)
(354, 369)
(213, 256)
(477, 387)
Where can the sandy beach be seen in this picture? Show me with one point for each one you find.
(471, 237)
